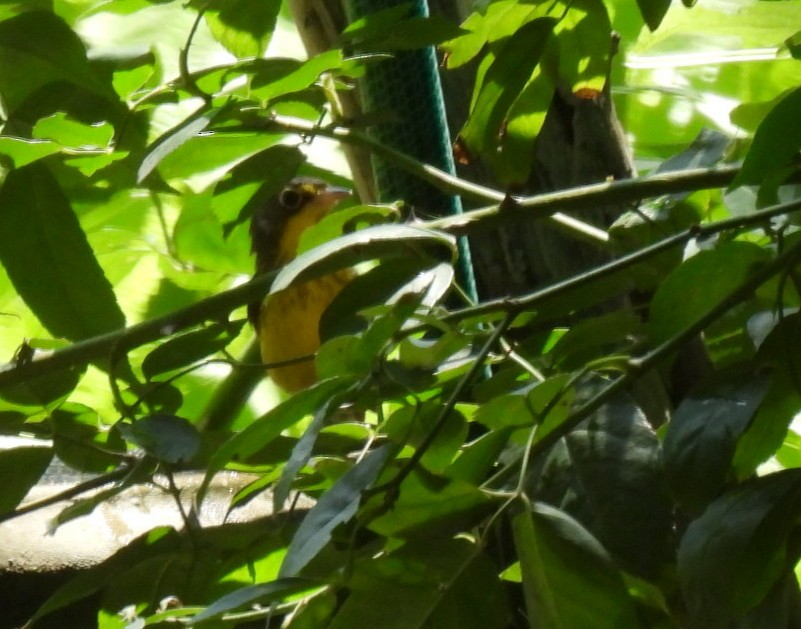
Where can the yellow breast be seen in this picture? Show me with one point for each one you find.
(289, 324)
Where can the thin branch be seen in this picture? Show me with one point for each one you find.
(220, 305)
(504, 207)
(638, 366)
(450, 184)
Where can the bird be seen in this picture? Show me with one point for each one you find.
(287, 322)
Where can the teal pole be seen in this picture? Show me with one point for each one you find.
(407, 88)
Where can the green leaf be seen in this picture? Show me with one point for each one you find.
(302, 451)
(244, 27)
(514, 161)
(428, 502)
(21, 468)
(168, 438)
(46, 255)
(767, 429)
(372, 243)
(408, 34)
(776, 143)
(81, 442)
(380, 285)
(269, 426)
(208, 155)
(43, 390)
(504, 81)
(173, 139)
(701, 439)
(377, 21)
(247, 596)
(201, 240)
(653, 11)
(68, 132)
(732, 555)
(595, 338)
(502, 19)
(698, 285)
(335, 506)
(432, 581)
(189, 348)
(479, 457)
(87, 582)
(569, 580)
(279, 77)
(583, 35)
(22, 151)
(608, 474)
(36, 49)
(410, 425)
(345, 220)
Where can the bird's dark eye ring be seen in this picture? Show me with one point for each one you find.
(291, 199)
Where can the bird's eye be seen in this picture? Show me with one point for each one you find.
(291, 199)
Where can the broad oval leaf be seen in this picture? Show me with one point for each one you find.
(45, 253)
(701, 439)
(244, 27)
(433, 581)
(569, 580)
(698, 285)
(730, 557)
(510, 71)
(608, 473)
(777, 141)
(38, 48)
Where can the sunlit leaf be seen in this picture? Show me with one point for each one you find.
(428, 502)
(581, 34)
(335, 506)
(174, 139)
(280, 77)
(503, 82)
(68, 132)
(569, 580)
(698, 284)
(46, 255)
(371, 243)
(22, 151)
(245, 597)
(777, 141)
(242, 26)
